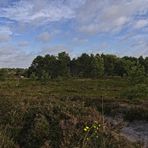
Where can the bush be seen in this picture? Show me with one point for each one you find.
(136, 75)
(6, 142)
(135, 92)
(3, 74)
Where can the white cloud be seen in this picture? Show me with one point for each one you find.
(141, 23)
(44, 37)
(4, 2)
(11, 56)
(79, 40)
(109, 16)
(37, 11)
(135, 44)
(95, 17)
(23, 44)
(139, 45)
(54, 50)
(5, 33)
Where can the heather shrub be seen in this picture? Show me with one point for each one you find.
(135, 92)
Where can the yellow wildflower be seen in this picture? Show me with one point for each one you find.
(86, 129)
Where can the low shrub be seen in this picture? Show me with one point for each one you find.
(5, 141)
(135, 92)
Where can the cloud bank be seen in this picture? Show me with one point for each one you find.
(37, 25)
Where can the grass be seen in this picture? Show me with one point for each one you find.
(54, 113)
(82, 87)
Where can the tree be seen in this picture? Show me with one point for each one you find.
(37, 67)
(127, 65)
(141, 60)
(136, 74)
(54, 67)
(83, 64)
(146, 65)
(109, 64)
(97, 66)
(87, 66)
(64, 64)
(119, 68)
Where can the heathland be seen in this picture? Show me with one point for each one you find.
(62, 103)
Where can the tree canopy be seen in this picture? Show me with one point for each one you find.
(87, 66)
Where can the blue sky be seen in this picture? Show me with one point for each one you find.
(32, 27)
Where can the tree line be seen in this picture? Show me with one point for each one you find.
(86, 66)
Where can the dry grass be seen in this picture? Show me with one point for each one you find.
(54, 113)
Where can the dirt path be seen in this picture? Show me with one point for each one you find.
(136, 131)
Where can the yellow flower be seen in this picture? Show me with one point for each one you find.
(86, 129)
(99, 125)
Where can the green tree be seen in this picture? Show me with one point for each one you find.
(74, 67)
(109, 64)
(96, 66)
(64, 64)
(37, 67)
(83, 65)
(119, 69)
(146, 65)
(141, 60)
(136, 74)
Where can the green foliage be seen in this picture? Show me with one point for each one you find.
(57, 124)
(5, 141)
(94, 136)
(85, 66)
(135, 92)
(109, 64)
(136, 74)
(34, 132)
(50, 66)
(3, 74)
(97, 66)
(146, 65)
(64, 64)
(33, 76)
(50, 115)
(119, 67)
(88, 66)
(99, 135)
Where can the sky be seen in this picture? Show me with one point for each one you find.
(37, 27)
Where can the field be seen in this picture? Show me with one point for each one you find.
(68, 113)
